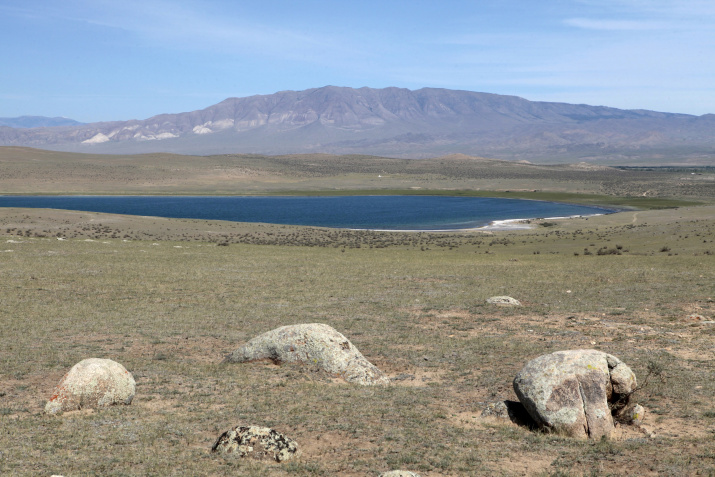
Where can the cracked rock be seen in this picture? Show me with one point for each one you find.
(315, 344)
(260, 443)
(575, 392)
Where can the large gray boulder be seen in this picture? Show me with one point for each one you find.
(569, 392)
(92, 383)
(260, 443)
(315, 344)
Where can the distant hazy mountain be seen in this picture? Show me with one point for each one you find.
(397, 122)
(37, 122)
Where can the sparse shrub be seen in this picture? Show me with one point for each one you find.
(501, 241)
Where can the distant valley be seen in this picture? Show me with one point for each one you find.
(395, 122)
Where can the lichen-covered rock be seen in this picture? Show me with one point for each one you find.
(512, 411)
(569, 392)
(497, 409)
(316, 344)
(92, 383)
(637, 414)
(503, 301)
(399, 473)
(260, 443)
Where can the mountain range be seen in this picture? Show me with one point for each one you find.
(396, 122)
(37, 122)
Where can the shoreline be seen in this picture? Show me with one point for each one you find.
(494, 225)
(524, 224)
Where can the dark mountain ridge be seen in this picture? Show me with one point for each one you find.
(397, 122)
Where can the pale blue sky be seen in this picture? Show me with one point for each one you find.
(95, 60)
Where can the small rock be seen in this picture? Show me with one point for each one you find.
(399, 473)
(694, 318)
(650, 433)
(513, 411)
(260, 443)
(92, 383)
(503, 301)
(313, 343)
(496, 409)
(637, 414)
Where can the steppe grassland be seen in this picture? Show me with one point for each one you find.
(170, 310)
(163, 298)
(33, 171)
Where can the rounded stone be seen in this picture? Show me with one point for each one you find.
(260, 443)
(503, 301)
(315, 343)
(92, 383)
(637, 415)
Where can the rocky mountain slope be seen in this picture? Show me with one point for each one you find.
(397, 122)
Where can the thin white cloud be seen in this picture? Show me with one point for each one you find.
(685, 7)
(186, 26)
(641, 14)
(615, 25)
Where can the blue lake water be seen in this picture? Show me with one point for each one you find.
(355, 212)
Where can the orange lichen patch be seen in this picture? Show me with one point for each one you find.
(693, 318)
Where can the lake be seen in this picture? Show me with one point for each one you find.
(355, 212)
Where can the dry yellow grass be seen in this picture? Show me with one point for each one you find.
(164, 299)
(170, 308)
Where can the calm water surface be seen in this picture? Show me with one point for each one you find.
(357, 212)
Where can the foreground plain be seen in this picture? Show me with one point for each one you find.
(169, 298)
